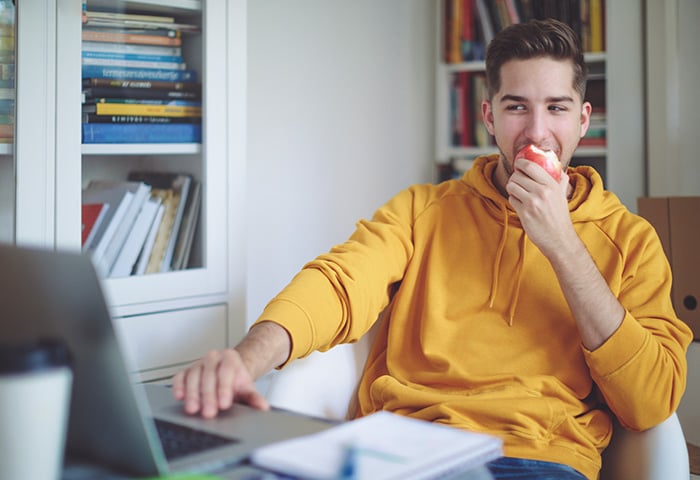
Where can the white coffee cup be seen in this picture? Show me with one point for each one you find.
(35, 386)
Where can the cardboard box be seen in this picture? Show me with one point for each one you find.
(677, 221)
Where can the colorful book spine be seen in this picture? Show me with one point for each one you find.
(131, 57)
(102, 62)
(143, 109)
(94, 118)
(137, 93)
(141, 84)
(146, 101)
(131, 48)
(141, 133)
(124, 37)
(127, 73)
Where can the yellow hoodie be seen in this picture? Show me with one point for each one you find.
(477, 333)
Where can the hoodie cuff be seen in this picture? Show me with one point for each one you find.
(296, 323)
(618, 350)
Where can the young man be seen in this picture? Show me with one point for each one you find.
(517, 304)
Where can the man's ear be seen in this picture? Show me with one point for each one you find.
(586, 109)
(487, 115)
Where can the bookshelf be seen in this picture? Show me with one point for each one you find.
(7, 114)
(615, 78)
(170, 318)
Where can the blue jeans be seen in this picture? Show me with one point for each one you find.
(508, 468)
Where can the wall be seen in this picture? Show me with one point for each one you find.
(673, 74)
(340, 118)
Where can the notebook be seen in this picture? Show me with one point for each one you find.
(381, 446)
(112, 422)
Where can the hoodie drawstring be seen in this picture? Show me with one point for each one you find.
(497, 261)
(497, 270)
(518, 281)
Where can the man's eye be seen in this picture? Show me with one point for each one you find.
(557, 108)
(515, 107)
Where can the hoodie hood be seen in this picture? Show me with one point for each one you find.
(589, 202)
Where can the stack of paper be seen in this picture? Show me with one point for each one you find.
(381, 446)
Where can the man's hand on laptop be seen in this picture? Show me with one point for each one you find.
(214, 382)
(222, 377)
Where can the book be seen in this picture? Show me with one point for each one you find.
(147, 108)
(109, 62)
(126, 37)
(179, 186)
(185, 238)
(118, 200)
(142, 133)
(172, 102)
(597, 33)
(481, 135)
(91, 217)
(130, 49)
(141, 24)
(486, 26)
(94, 118)
(130, 73)
(169, 199)
(131, 56)
(380, 446)
(141, 84)
(145, 253)
(91, 93)
(136, 33)
(140, 193)
(129, 253)
(7, 130)
(96, 14)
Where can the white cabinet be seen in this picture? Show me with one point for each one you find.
(621, 161)
(53, 165)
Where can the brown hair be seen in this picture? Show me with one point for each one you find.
(536, 38)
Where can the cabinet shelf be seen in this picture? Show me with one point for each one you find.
(591, 58)
(141, 149)
(155, 6)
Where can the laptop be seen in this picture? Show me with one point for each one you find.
(114, 420)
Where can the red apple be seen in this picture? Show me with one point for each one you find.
(547, 159)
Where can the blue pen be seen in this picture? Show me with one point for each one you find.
(349, 464)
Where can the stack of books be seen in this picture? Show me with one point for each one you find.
(471, 24)
(136, 86)
(467, 90)
(7, 71)
(145, 224)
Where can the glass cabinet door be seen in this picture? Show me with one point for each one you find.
(7, 121)
(145, 97)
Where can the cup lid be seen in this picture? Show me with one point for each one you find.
(33, 356)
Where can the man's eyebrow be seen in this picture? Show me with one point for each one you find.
(519, 98)
(512, 98)
(561, 99)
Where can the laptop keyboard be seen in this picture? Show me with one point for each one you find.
(178, 440)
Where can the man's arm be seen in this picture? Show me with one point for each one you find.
(597, 312)
(542, 207)
(222, 377)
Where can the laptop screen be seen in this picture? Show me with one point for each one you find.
(57, 295)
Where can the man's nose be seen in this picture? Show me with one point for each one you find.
(537, 128)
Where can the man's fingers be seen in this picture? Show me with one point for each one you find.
(178, 388)
(227, 371)
(253, 399)
(208, 384)
(191, 388)
(214, 382)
